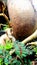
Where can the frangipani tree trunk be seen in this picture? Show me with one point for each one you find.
(23, 17)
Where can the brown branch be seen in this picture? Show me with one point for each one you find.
(2, 14)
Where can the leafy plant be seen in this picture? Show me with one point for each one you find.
(8, 45)
(18, 57)
(21, 50)
(20, 53)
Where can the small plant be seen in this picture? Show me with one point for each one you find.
(16, 53)
(18, 57)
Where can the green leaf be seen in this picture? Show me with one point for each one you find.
(1, 52)
(1, 60)
(5, 27)
(16, 62)
(8, 45)
(1, 47)
(6, 61)
(35, 50)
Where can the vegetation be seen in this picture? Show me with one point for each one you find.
(17, 53)
(20, 56)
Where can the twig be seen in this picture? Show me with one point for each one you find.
(12, 51)
(32, 43)
(33, 36)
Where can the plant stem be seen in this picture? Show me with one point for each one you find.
(32, 43)
(33, 36)
(12, 51)
(2, 14)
